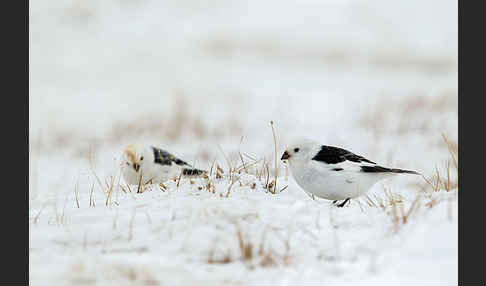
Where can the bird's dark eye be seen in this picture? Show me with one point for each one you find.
(296, 150)
(141, 158)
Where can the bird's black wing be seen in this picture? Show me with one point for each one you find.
(165, 158)
(334, 155)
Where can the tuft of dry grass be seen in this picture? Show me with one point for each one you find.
(37, 216)
(56, 217)
(446, 179)
(252, 254)
(453, 148)
(246, 247)
(262, 173)
(225, 260)
(396, 210)
(395, 207)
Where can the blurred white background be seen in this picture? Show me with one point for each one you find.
(313, 64)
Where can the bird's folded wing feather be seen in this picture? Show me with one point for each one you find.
(344, 160)
(165, 158)
(335, 155)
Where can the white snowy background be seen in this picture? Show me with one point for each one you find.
(203, 80)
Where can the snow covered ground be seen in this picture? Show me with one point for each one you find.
(204, 80)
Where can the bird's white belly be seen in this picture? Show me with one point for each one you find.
(163, 173)
(155, 174)
(334, 185)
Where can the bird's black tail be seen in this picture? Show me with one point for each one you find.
(404, 171)
(379, 169)
(192, 172)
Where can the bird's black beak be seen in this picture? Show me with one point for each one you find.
(285, 156)
(136, 167)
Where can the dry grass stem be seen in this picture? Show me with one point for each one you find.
(110, 190)
(139, 188)
(91, 166)
(76, 194)
(230, 167)
(230, 186)
(179, 179)
(163, 187)
(91, 201)
(276, 156)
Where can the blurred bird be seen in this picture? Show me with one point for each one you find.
(333, 173)
(148, 164)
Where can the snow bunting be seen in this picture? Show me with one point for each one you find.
(148, 164)
(333, 173)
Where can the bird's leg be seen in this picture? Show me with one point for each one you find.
(343, 203)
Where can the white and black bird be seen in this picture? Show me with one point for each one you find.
(148, 164)
(333, 173)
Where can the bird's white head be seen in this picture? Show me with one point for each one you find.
(301, 151)
(134, 156)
